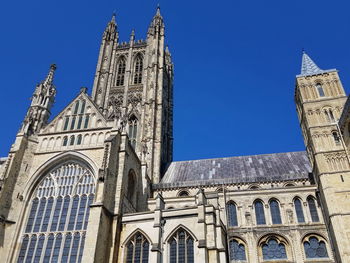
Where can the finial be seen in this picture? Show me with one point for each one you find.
(158, 9)
(132, 35)
(53, 67)
(113, 16)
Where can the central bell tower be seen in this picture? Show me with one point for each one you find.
(133, 87)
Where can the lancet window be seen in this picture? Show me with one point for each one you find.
(275, 212)
(137, 249)
(78, 119)
(259, 213)
(138, 70)
(299, 210)
(181, 246)
(56, 225)
(313, 209)
(121, 72)
(132, 130)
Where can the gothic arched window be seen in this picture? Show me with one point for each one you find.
(237, 251)
(320, 90)
(315, 248)
(275, 212)
(58, 216)
(79, 138)
(132, 130)
(181, 247)
(313, 209)
(299, 210)
(76, 107)
(183, 193)
(138, 70)
(121, 72)
(273, 249)
(65, 141)
(137, 249)
(131, 186)
(232, 214)
(259, 213)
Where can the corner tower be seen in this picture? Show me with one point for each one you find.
(133, 87)
(320, 99)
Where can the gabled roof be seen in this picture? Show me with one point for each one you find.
(309, 67)
(89, 104)
(242, 169)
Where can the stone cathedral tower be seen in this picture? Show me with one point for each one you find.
(320, 100)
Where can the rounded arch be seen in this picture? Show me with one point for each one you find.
(176, 229)
(264, 237)
(253, 187)
(259, 200)
(316, 246)
(312, 233)
(238, 249)
(289, 184)
(274, 246)
(183, 193)
(39, 174)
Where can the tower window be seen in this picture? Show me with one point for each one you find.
(320, 90)
(336, 137)
(138, 70)
(121, 72)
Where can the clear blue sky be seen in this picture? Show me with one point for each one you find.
(235, 63)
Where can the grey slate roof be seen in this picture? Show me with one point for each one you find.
(309, 67)
(242, 169)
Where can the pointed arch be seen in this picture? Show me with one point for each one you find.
(138, 69)
(259, 212)
(275, 211)
(180, 226)
(232, 213)
(181, 246)
(121, 66)
(311, 201)
(237, 249)
(299, 211)
(134, 232)
(137, 248)
(274, 247)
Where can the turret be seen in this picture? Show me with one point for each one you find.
(40, 107)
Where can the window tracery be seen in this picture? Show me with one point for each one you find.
(138, 70)
(274, 249)
(133, 130)
(237, 251)
(315, 247)
(121, 72)
(181, 246)
(58, 217)
(313, 209)
(137, 249)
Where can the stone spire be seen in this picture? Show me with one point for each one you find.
(42, 101)
(308, 66)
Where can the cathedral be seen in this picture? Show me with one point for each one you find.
(97, 183)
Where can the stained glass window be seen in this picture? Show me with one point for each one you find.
(259, 213)
(315, 249)
(137, 249)
(275, 212)
(181, 247)
(299, 211)
(56, 224)
(313, 209)
(138, 70)
(232, 214)
(237, 251)
(273, 250)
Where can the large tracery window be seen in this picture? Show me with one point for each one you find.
(137, 249)
(181, 247)
(57, 221)
(138, 70)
